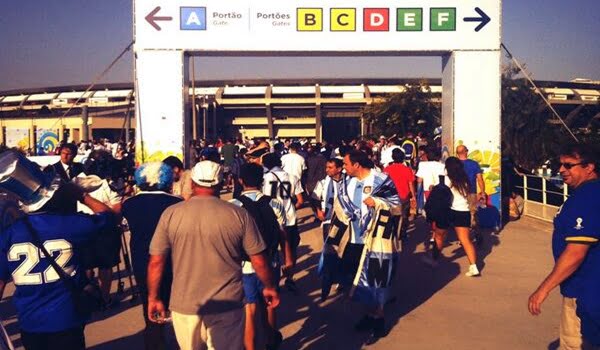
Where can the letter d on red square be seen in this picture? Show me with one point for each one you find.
(376, 20)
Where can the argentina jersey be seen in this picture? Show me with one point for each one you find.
(326, 191)
(279, 184)
(275, 203)
(358, 191)
(278, 209)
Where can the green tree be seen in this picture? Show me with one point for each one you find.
(412, 110)
(531, 133)
(527, 136)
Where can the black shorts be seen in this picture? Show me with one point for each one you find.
(460, 218)
(293, 235)
(453, 218)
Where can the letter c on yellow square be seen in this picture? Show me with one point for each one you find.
(343, 20)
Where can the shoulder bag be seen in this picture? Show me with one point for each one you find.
(87, 299)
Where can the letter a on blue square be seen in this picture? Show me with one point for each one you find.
(193, 18)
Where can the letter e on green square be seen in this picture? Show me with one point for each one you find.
(442, 19)
(409, 19)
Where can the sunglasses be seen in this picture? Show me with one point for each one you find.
(568, 166)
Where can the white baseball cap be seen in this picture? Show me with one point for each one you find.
(207, 173)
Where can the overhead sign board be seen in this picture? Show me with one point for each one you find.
(318, 26)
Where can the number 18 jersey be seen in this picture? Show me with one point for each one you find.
(283, 186)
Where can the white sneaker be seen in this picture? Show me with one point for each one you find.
(428, 260)
(473, 271)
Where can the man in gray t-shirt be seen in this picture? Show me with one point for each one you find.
(205, 238)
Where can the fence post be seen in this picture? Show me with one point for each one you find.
(544, 191)
(525, 188)
(565, 192)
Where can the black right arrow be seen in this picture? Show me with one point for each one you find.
(483, 19)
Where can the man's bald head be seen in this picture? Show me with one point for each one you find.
(462, 151)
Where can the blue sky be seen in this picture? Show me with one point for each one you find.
(67, 42)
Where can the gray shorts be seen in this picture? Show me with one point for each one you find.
(218, 331)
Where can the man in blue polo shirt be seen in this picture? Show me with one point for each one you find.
(576, 252)
(475, 175)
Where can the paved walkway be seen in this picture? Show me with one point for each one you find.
(434, 309)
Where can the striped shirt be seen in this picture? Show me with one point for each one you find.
(326, 190)
(278, 209)
(283, 186)
(358, 191)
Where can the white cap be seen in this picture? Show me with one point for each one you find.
(207, 173)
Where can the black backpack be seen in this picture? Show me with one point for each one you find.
(439, 202)
(266, 221)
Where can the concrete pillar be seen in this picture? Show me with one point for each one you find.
(194, 118)
(318, 124)
(214, 122)
(85, 131)
(128, 127)
(194, 114)
(471, 111)
(364, 127)
(270, 126)
(162, 100)
(269, 113)
(61, 133)
(204, 120)
(32, 138)
(318, 120)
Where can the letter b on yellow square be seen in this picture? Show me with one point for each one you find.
(343, 20)
(309, 20)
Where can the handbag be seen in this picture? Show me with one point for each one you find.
(87, 299)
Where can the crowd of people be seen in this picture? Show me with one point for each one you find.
(214, 267)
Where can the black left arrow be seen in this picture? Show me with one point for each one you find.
(483, 19)
(152, 18)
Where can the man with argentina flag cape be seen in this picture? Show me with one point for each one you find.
(360, 250)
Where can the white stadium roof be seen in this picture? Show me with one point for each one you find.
(245, 90)
(293, 90)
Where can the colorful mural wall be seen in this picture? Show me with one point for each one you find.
(489, 161)
(47, 141)
(17, 137)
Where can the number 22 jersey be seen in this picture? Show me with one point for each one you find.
(43, 302)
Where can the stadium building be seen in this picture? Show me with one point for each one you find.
(37, 119)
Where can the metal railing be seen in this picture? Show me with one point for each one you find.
(543, 196)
